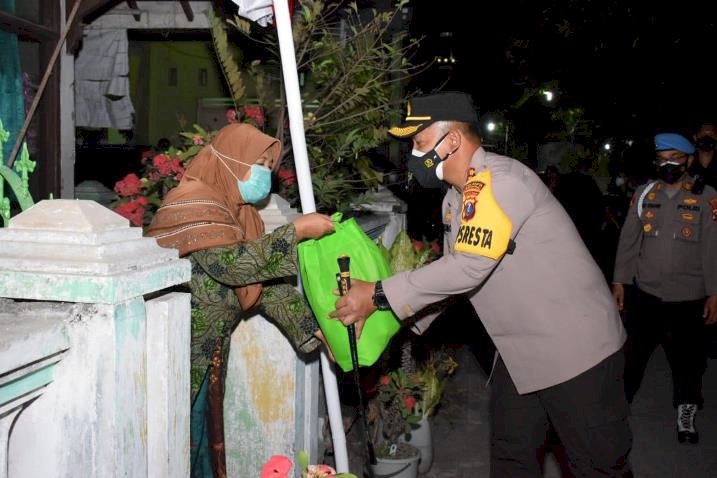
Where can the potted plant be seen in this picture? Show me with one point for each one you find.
(391, 415)
(432, 373)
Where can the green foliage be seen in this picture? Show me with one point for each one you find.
(406, 254)
(352, 92)
(228, 56)
(402, 253)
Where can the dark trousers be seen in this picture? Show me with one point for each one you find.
(588, 412)
(679, 327)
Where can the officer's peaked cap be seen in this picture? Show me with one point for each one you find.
(423, 111)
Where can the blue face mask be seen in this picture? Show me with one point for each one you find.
(258, 186)
(254, 189)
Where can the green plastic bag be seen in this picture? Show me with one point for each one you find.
(319, 266)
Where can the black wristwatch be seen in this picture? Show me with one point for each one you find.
(379, 298)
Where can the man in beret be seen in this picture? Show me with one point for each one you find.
(512, 249)
(668, 249)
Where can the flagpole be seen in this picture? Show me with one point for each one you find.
(308, 205)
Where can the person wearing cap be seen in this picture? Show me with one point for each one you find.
(668, 249)
(511, 248)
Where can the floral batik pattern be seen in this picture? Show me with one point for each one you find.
(216, 309)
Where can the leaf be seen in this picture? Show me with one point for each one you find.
(229, 64)
(303, 459)
(402, 254)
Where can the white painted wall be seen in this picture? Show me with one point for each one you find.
(271, 401)
(110, 395)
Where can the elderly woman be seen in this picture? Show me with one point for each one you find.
(211, 219)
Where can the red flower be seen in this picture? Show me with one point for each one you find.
(435, 247)
(287, 176)
(146, 155)
(278, 466)
(128, 186)
(256, 113)
(133, 210)
(163, 164)
(177, 166)
(417, 245)
(410, 402)
(232, 115)
(385, 380)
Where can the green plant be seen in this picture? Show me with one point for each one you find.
(437, 368)
(394, 410)
(279, 466)
(406, 254)
(352, 91)
(141, 195)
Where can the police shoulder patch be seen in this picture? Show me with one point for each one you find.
(485, 229)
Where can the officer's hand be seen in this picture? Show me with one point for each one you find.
(618, 292)
(710, 313)
(356, 305)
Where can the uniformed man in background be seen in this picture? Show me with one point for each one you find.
(668, 249)
(513, 250)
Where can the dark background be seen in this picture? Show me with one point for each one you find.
(635, 67)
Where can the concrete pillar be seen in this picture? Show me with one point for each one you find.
(271, 402)
(97, 417)
(31, 344)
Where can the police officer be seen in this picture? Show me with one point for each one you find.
(513, 250)
(668, 248)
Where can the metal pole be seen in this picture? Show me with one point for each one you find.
(308, 205)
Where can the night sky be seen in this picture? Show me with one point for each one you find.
(635, 67)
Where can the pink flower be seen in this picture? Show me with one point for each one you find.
(409, 402)
(417, 245)
(255, 113)
(385, 380)
(278, 466)
(287, 176)
(128, 186)
(133, 210)
(163, 164)
(320, 471)
(232, 115)
(177, 166)
(146, 156)
(196, 139)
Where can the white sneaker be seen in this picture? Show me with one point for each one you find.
(686, 430)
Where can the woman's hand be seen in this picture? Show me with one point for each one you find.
(313, 226)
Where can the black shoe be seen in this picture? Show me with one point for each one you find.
(686, 431)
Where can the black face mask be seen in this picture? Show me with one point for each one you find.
(671, 173)
(423, 167)
(706, 144)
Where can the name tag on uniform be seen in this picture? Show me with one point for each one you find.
(485, 229)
